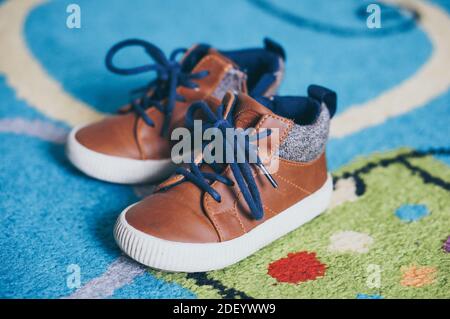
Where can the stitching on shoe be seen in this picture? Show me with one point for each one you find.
(211, 217)
(233, 210)
(270, 210)
(292, 183)
(300, 164)
(284, 129)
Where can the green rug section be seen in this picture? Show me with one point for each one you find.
(367, 249)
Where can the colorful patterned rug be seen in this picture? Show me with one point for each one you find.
(387, 233)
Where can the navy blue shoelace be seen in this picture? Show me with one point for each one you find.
(169, 75)
(242, 171)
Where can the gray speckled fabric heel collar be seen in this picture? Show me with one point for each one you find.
(305, 143)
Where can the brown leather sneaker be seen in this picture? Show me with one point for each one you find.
(209, 216)
(134, 147)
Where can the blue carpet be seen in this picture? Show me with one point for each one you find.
(375, 63)
(53, 216)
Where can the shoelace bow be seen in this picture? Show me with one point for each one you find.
(169, 75)
(242, 171)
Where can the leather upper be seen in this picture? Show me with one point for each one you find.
(129, 136)
(184, 213)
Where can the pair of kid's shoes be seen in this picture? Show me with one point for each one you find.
(210, 214)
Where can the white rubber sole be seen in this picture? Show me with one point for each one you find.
(194, 257)
(115, 169)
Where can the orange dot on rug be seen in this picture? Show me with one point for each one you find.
(418, 276)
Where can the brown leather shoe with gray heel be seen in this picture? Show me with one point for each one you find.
(135, 146)
(209, 216)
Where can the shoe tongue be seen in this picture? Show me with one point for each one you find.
(224, 74)
(247, 112)
(193, 56)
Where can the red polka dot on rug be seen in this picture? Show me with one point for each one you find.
(297, 267)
